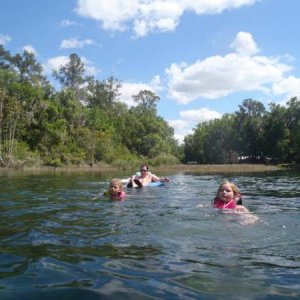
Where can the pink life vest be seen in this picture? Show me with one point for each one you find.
(121, 195)
(218, 203)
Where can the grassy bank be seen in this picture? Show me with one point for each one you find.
(234, 168)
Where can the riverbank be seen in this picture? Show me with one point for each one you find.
(233, 168)
(229, 168)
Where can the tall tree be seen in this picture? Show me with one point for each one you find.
(149, 132)
(276, 134)
(28, 69)
(72, 76)
(5, 59)
(147, 100)
(293, 124)
(104, 94)
(249, 123)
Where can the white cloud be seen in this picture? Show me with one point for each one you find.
(53, 64)
(147, 16)
(75, 43)
(181, 129)
(200, 115)
(30, 49)
(189, 119)
(4, 39)
(89, 67)
(214, 7)
(244, 44)
(129, 89)
(157, 15)
(68, 23)
(156, 84)
(112, 14)
(219, 76)
(290, 87)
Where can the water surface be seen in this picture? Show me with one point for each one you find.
(57, 242)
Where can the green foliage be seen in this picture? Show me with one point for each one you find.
(72, 77)
(28, 69)
(251, 132)
(56, 162)
(99, 120)
(147, 100)
(163, 159)
(85, 123)
(129, 162)
(20, 156)
(103, 94)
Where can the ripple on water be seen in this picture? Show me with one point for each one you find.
(162, 243)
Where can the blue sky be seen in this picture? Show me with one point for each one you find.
(202, 57)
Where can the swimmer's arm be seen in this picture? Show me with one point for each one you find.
(161, 179)
(164, 179)
(98, 196)
(241, 209)
(154, 178)
(248, 217)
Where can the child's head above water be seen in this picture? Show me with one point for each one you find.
(227, 191)
(115, 189)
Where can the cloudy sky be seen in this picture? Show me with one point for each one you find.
(202, 57)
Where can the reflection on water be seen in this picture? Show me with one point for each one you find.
(56, 242)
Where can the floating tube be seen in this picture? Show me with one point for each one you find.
(150, 184)
(156, 183)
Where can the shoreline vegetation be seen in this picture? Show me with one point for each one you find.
(86, 125)
(199, 168)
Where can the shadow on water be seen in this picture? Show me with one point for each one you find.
(58, 242)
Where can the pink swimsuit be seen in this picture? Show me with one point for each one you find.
(218, 203)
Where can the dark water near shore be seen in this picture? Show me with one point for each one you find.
(56, 242)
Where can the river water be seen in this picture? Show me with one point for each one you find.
(58, 242)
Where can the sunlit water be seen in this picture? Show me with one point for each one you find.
(57, 242)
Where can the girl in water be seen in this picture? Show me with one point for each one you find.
(115, 190)
(229, 197)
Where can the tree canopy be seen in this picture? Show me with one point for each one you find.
(85, 121)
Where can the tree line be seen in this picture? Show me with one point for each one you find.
(85, 122)
(252, 134)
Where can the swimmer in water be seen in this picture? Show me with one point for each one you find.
(115, 190)
(229, 197)
(145, 178)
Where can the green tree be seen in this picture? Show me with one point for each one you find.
(5, 59)
(28, 69)
(276, 134)
(249, 123)
(293, 125)
(146, 131)
(104, 94)
(72, 76)
(147, 100)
